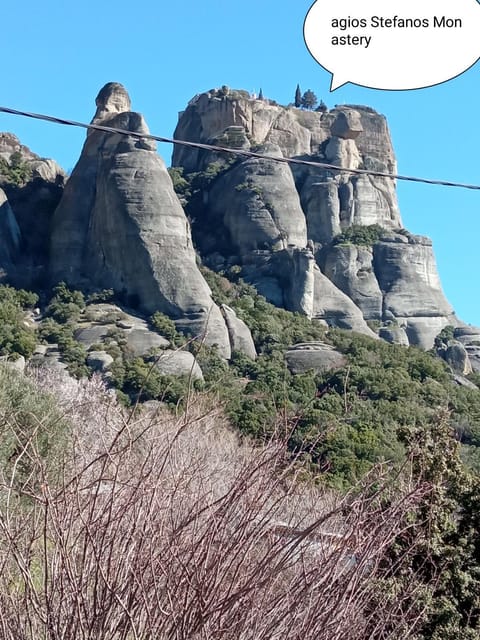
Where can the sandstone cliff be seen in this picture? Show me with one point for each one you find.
(283, 224)
(120, 225)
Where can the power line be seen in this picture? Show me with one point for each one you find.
(239, 152)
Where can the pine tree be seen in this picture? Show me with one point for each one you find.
(298, 97)
(322, 107)
(309, 99)
(260, 95)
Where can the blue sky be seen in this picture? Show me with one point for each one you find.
(57, 55)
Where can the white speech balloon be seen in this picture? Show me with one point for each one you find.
(389, 55)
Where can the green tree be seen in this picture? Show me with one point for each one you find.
(322, 107)
(309, 99)
(298, 97)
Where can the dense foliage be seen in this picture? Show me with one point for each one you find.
(348, 419)
(16, 337)
(16, 171)
(360, 235)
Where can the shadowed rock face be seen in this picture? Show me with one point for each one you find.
(120, 225)
(280, 222)
(9, 238)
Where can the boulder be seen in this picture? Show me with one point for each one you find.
(178, 363)
(347, 124)
(316, 356)
(99, 360)
(394, 335)
(457, 357)
(240, 336)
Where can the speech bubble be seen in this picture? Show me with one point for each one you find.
(394, 44)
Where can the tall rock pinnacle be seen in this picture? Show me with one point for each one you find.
(120, 225)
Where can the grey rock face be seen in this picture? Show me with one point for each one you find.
(336, 308)
(120, 225)
(457, 357)
(178, 363)
(43, 168)
(9, 237)
(99, 360)
(422, 331)
(469, 336)
(316, 356)
(257, 204)
(105, 320)
(347, 124)
(350, 268)
(407, 274)
(240, 336)
(394, 335)
(321, 203)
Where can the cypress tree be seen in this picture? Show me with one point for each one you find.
(298, 97)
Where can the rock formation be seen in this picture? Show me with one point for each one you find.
(326, 243)
(283, 224)
(9, 238)
(120, 225)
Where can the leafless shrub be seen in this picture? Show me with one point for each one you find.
(170, 528)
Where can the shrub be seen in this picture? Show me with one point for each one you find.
(66, 304)
(157, 525)
(166, 328)
(360, 235)
(16, 338)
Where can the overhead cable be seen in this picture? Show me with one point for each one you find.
(240, 152)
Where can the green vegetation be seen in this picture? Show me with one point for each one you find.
(30, 420)
(309, 100)
(388, 404)
(17, 171)
(61, 315)
(360, 235)
(298, 97)
(166, 328)
(345, 420)
(16, 337)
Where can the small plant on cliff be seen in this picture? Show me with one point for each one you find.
(360, 235)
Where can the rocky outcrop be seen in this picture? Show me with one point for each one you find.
(257, 204)
(469, 337)
(120, 225)
(9, 237)
(42, 168)
(178, 363)
(350, 268)
(316, 356)
(457, 357)
(240, 336)
(282, 224)
(33, 186)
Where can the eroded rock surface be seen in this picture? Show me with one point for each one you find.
(9, 237)
(282, 223)
(316, 356)
(120, 225)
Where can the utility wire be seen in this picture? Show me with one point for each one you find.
(239, 152)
